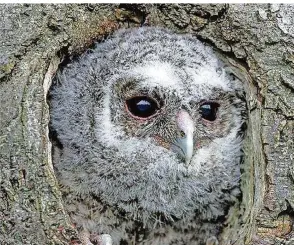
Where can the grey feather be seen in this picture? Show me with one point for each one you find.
(117, 177)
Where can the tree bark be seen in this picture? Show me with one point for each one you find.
(256, 40)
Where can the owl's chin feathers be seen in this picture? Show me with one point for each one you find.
(165, 187)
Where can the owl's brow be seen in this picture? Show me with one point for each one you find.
(131, 87)
(124, 86)
(157, 73)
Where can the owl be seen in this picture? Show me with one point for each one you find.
(149, 132)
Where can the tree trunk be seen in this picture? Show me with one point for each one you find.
(255, 40)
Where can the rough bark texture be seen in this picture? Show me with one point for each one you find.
(257, 41)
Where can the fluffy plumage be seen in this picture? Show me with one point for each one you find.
(123, 175)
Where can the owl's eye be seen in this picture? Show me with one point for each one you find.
(142, 106)
(208, 110)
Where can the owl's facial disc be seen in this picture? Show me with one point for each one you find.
(184, 144)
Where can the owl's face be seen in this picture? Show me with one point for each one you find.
(181, 115)
(160, 137)
(173, 134)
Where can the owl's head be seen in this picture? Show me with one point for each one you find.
(150, 123)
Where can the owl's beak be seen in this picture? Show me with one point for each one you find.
(184, 147)
(184, 144)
